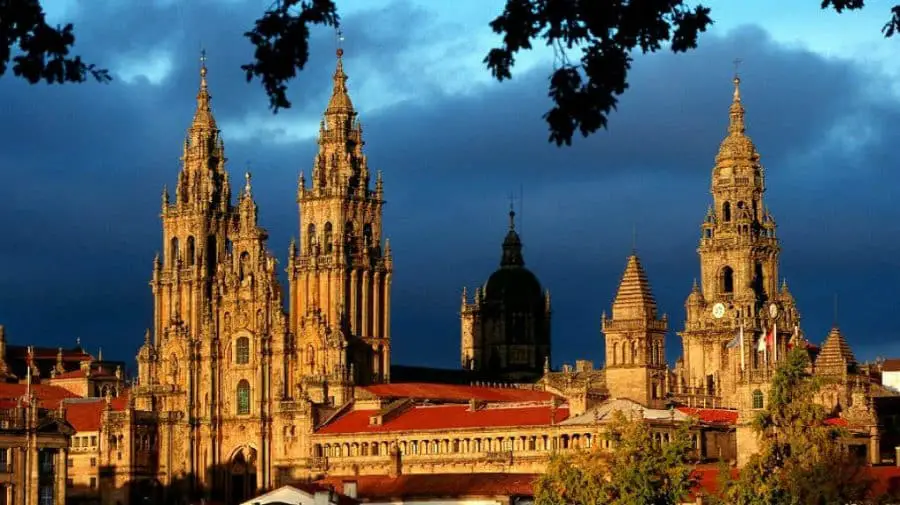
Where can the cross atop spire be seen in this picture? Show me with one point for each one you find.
(340, 99)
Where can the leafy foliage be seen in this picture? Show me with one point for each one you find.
(281, 38)
(800, 460)
(633, 471)
(606, 33)
(43, 51)
(584, 93)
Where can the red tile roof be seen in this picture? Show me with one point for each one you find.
(441, 417)
(380, 487)
(74, 374)
(85, 415)
(891, 365)
(837, 421)
(452, 392)
(48, 396)
(711, 416)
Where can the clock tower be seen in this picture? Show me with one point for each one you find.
(739, 319)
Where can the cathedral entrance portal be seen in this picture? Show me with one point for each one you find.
(243, 476)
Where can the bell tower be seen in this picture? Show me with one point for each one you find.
(195, 223)
(340, 274)
(738, 301)
(635, 341)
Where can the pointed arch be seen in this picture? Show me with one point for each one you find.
(310, 237)
(173, 250)
(190, 251)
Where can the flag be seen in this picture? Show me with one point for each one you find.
(761, 344)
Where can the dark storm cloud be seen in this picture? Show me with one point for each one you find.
(85, 164)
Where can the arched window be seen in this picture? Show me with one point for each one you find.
(727, 280)
(243, 397)
(757, 399)
(173, 250)
(615, 352)
(328, 238)
(310, 237)
(726, 211)
(242, 351)
(310, 355)
(190, 251)
(634, 351)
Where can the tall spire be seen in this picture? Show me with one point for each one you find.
(736, 125)
(340, 99)
(203, 118)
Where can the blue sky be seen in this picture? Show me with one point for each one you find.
(85, 165)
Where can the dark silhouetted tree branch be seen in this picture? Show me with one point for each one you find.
(584, 92)
(43, 51)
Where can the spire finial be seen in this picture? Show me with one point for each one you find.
(340, 43)
(736, 125)
(835, 322)
(247, 177)
(512, 214)
(633, 239)
(203, 68)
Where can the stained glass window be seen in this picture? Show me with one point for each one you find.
(243, 397)
(242, 351)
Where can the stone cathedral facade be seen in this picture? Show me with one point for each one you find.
(242, 387)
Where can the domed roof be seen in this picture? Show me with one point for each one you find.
(512, 283)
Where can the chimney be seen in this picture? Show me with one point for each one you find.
(350, 488)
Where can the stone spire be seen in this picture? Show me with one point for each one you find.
(836, 357)
(634, 300)
(340, 100)
(203, 118)
(737, 146)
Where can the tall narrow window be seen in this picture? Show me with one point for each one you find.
(726, 211)
(727, 280)
(310, 237)
(244, 267)
(243, 397)
(173, 250)
(367, 234)
(242, 351)
(328, 238)
(190, 251)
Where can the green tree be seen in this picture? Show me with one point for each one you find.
(632, 472)
(801, 460)
(584, 92)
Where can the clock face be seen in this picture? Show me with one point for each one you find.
(773, 310)
(718, 310)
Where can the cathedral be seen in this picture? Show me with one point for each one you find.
(243, 387)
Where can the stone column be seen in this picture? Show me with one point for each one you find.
(378, 320)
(874, 446)
(365, 331)
(61, 474)
(354, 291)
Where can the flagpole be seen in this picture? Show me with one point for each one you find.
(775, 340)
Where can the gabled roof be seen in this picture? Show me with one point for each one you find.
(445, 417)
(84, 414)
(452, 392)
(300, 494)
(712, 416)
(604, 412)
(48, 396)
